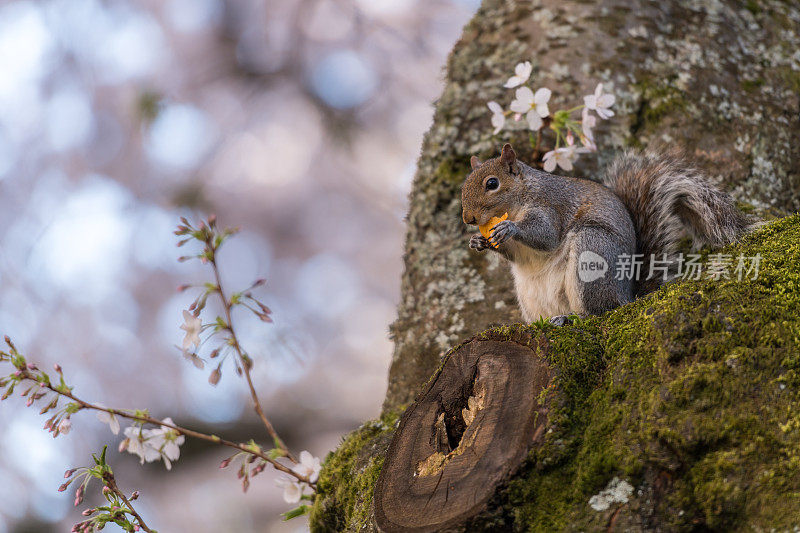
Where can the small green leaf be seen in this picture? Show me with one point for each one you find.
(294, 513)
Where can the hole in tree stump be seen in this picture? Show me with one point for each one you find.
(464, 435)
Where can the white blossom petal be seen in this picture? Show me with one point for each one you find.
(523, 101)
(549, 161)
(534, 120)
(498, 116)
(108, 418)
(542, 95)
(494, 107)
(543, 110)
(607, 100)
(292, 490)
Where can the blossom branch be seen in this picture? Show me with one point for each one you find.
(212, 240)
(253, 449)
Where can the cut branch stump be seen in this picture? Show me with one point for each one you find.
(464, 436)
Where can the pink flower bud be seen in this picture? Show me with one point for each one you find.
(225, 463)
(57, 368)
(107, 491)
(32, 366)
(135, 495)
(64, 426)
(63, 487)
(136, 527)
(123, 445)
(68, 473)
(88, 512)
(213, 379)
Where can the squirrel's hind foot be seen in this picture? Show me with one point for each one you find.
(562, 320)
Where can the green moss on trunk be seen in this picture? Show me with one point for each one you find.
(691, 394)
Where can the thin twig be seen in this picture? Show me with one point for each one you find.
(243, 358)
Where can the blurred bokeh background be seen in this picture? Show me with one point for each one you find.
(299, 121)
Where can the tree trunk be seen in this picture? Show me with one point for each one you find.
(720, 78)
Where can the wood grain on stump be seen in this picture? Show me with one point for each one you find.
(464, 435)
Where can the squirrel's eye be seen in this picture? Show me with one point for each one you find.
(492, 184)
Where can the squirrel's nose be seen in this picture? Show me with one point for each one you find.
(470, 220)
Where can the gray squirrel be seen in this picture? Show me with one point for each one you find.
(566, 237)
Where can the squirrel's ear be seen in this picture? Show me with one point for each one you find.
(509, 158)
(475, 162)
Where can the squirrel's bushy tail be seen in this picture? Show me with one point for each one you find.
(669, 200)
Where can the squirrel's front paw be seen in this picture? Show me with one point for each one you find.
(503, 231)
(479, 242)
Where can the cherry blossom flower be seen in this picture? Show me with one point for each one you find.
(192, 326)
(309, 466)
(534, 105)
(137, 443)
(110, 419)
(599, 102)
(521, 74)
(564, 157)
(292, 490)
(498, 117)
(167, 442)
(194, 359)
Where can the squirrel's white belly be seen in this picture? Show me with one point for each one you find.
(545, 282)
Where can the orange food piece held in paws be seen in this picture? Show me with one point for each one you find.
(486, 229)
